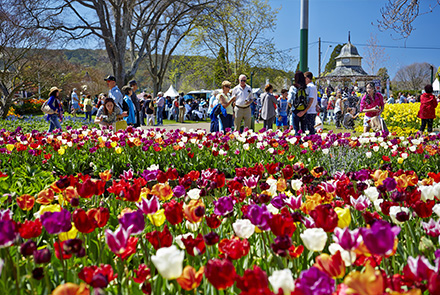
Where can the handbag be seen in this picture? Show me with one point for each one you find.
(45, 108)
(121, 124)
(375, 124)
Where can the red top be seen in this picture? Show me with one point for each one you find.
(378, 101)
(428, 103)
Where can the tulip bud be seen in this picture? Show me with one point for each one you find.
(74, 202)
(38, 273)
(426, 246)
(28, 248)
(42, 256)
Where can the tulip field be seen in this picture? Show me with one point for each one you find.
(89, 211)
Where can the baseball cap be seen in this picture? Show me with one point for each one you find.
(132, 82)
(110, 78)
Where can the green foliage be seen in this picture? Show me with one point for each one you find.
(383, 74)
(222, 70)
(331, 65)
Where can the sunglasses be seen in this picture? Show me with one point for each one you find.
(242, 80)
(227, 86)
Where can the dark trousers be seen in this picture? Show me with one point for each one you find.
(299, 123)
(427, 121)
(88, 115)
(338, 119)
(226, 121)
(310, 123)
(268, 124)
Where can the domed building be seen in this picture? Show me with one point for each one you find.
(348, 68)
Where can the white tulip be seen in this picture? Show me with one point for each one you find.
(349, 257)
(436, 209)
(282, 279)
(372, 193)
(314, 239)
(243, 228)
(168, 262)
(396, 209)
(296, 184)
(179, 238)
(194, 194)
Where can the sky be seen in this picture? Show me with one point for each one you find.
(332, 19)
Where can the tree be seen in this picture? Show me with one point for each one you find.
(222, 70)
(399, 15)
(16, 54)
(437, 75)
(382, 73)
(414, 76)
(374, 54)
(239, 28)
(331, 65)
(143, 29)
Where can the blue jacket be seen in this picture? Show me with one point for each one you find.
(131, 119)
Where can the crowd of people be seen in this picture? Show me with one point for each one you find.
(303, 107)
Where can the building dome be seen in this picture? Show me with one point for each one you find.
(349, 50)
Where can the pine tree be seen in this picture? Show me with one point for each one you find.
(331, 65)
(221, 68)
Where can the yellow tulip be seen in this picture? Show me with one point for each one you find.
(344, 217)
(61, 151)
(71, 234)
(9, 147)
(118, 150)
(49, 208)
(114, 144)
(157, 218)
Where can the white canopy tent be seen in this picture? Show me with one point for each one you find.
(436, 86)
(171, 92)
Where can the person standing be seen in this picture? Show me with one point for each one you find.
(149, 109)
(56, 117)
(299, 102)
(114, 91)
(182, 109)
(88, 108)
(268, 102)
(339, 109)
(324, 105)
(74, 102)
(160, 100)
(428, 103)
(371, 104)
(313, 103)
(282, 107)
(244, 97)
(226, 101)
(402, 98)
(131, 118)
(135, 100)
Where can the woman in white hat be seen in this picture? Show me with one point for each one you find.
(56, 117)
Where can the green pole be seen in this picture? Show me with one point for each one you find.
(304, 36)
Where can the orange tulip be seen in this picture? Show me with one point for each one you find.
(190, 208)
(333, 265)
(45, 197)
(190, 279)
(70, 193)
(26, 202)
(71, 289)
(163, 191)
(369, 282)
(281, 185)
(106, 175)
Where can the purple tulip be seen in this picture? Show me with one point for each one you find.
(362, 175)
(7, 233)
(211, 238)
(251, 181)
(390, 184)
(315, 281)
(379, 239)
(179, 191)
(294, 202)
(5, 215)
(279, 201)
(281, 244)
(347, 239)
(432, 227)
(149, 206)
(361, 203)
(117, 240)
(150, 175)
(133, 222)
(57, 222)
(223, 206)
(42, 256)
(28, 248)
(259, 216)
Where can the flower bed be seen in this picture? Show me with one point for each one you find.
(157, 212)
(299, 231)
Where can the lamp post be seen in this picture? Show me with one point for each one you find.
(304, 36)
(252, 75)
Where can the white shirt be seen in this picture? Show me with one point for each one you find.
(75, 98)
(313, 93)
(242, 94)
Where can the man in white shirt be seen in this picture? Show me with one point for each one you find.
(160, 100)
(243, 99)
(114, 91)
(313, 101)
(74, 102)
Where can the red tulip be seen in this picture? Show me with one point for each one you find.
(26, 202)
(234, 248)
(86, 189)
(213, 221)
(130, 249)
(282, 224)
(332, 265)
(254, 282)
(45, 197)
(160, 239)
(325, 217)
(100, 215)
(142, 274)
(423, 209)
(173, 212)
(195, 246)
(30, 229)
(59, 250)
(83, 223)
(220, 273)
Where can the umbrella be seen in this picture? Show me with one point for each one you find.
(187, 97)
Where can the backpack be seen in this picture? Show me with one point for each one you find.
(301, 100)
(45, 108)
(88, 108)
(181, 102)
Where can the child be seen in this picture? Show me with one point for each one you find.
(349, 118)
